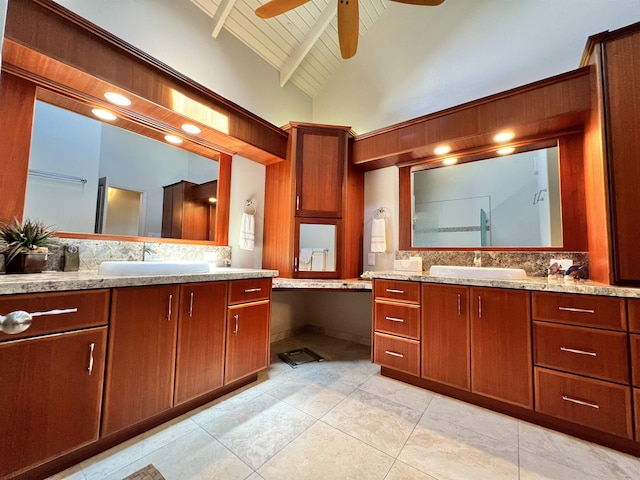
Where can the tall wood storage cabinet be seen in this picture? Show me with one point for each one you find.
(316, 188)
(616, 56)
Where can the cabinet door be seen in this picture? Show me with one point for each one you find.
(320, 166)
(501, 362)
(52, 393)
(247, 340)
(200, 352)
(445, 334)
(141, 360)
(636, 396)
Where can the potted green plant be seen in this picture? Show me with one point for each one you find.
(26, 245)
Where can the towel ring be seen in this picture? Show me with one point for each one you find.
(381, 213)
(250, 208)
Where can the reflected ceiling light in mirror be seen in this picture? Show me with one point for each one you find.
(103, 114)
(505, 151)
(173, 139)
(450, 161)
(442, 149)
(117, 99)
(504, 137)
(190, 128)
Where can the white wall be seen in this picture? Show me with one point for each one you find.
(381, 190)
(412, 64)
(178, 33)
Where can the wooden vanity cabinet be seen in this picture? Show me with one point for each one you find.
(141, 356)
(446, 335)
(52, 381)
(201, 339)
(501, 365)
(636, 396)
(248, 328)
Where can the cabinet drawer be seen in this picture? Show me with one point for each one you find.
(69, 311)
(634, 315)
(398, 353)
(398, 319)
(635, 361)
(586, 351)
(586, 310)
(397, 290)
(593, 403)
(250, 290)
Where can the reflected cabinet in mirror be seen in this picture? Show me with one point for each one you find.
(507, 201)
(88, 176)
(316, 252)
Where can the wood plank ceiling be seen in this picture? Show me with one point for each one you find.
(301, 44)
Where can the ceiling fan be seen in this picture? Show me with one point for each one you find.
(348, 18)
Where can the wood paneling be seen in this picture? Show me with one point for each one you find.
(353, 221)
(445, 335)
(92, 310)
(51, 402)
(550, 105)
(586, 310)
(72, 40)
(634, 315)
(585, 351)
(501, 360)
(601, 405)
(201, 336)
(397, 319)
(17, 103)
(401, 354)
(142, 352)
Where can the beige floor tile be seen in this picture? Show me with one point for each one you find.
(195, 456)
(408, 395)
(219, 407)
(73, 473)
(586, 457)
(322, 453)
(351, 372)
(258, 429)
(483, 421)
(103, 464)
(450, 452)
(535, 467)
(381, 423)
(402, 471)
(254, 476)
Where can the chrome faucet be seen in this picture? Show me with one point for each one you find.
(477, 260)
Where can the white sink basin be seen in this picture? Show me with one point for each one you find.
(152, 268)
(478, 272)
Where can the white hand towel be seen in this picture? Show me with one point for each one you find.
(247, 232)
(378, 236)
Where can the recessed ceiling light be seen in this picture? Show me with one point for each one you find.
(505, 151)
(504, 137)
(190, 128)
(442, 150)
(173, 139)
(117, 99)
(212, 200)
(103, 114)
(450, 161)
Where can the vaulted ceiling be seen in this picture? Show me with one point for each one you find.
(301, 44)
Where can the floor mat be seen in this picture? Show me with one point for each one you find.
(147, 473)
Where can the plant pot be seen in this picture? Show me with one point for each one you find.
(26, 263)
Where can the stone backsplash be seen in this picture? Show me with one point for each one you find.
(534, 263)
(94, 252)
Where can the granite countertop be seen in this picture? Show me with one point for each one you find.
(85, 280)
(321, 284)
(531, 283)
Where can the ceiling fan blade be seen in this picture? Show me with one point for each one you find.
(426, 3)
(348, 27)
(276, 7)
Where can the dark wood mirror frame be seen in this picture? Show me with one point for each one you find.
(51, 52)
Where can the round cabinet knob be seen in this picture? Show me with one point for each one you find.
(15, 322)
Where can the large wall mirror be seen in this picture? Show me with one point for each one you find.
(88, 176)
(512, 200)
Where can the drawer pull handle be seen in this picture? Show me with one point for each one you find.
(252, 290)
(579, 352)
(19, 321)
(235, 330)
(577, 310)
(92, 346)
(394, 319)
(394, 354)
(191, 305)
(580, 402)
(169, 309)
(393, 290)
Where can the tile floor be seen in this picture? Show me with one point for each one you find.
(340, 419)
